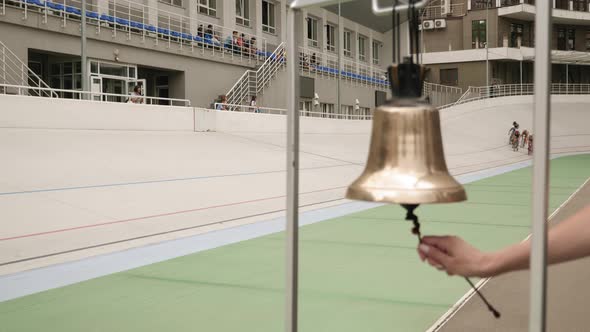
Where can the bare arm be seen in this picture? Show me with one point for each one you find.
(567, 241)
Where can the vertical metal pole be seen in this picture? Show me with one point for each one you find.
(340, 41)
(541, 120)
(83, 55)
(567, 78)
(488, 3)
(521, 77)
(292, 234)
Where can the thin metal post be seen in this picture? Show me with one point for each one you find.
(487, 43)
(292, 234)
(521, 77)
(567, 78)
(541, 120)
(83, 53)
(340, 41)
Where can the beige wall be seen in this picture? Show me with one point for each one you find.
(449, 39)
(470, 73)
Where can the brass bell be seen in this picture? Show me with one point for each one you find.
(406, 163)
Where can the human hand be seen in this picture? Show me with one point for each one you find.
(455, 256)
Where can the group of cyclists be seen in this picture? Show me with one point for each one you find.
(517, 139)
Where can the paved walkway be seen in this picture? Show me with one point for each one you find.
(358, 273)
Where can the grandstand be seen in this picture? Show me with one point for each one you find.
(169, 214)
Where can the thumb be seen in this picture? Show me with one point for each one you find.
(435, 254)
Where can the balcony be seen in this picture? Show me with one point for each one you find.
(434, 11)
(525, 11)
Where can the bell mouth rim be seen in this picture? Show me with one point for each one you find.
(409, 196)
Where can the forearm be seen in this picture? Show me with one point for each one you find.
(566, 241)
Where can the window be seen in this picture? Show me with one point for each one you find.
(449, 76)
(66, 75)
(376, 46)
(268, 17)
(516, 34)
(347, 40)
(566, 39)
(366, 112)
(312, 31)
(330, 38)
(243, 12)
(361, 46)
(581, 5)
(562, 4)
(478, 34)
(208, 7)
(561, 39)
(587, 40)
(327, 110)
(173, 2)
(571, 39)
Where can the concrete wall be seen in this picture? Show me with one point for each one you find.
(275, 95)
(36, 112)
(470, 73)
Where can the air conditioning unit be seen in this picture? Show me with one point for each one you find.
(428, 25)
(440, 23)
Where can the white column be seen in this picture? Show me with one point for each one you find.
(370, 48)
(571, 5)
(256, 20)
(322, 25)
(193, 13)
(102, 7)
(283, 13)
(356, 44)
(152, 12)
(228, 14)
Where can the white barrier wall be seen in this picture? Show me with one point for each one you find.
(224, 121)
(53, 113)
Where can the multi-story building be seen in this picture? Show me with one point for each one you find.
(183, 49)
(487, 42)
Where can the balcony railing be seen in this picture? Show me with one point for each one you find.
(315, 63)
(505, 90)
(134, 19)
(434, 11)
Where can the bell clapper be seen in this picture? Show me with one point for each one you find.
(416, 231)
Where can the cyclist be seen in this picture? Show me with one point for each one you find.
(511, 132)
(515, 140)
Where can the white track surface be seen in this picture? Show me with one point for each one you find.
(63, 190)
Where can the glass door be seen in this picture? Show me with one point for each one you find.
(95, 88)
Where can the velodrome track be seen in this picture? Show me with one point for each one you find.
(70, 194)
(71, 189)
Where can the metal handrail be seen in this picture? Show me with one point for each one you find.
(282, 111)
(313, 62)
(525, 89)
(245, 86)
(25, 71)
(91, 94)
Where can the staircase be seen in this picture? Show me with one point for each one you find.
(17, 78)
(253, 82)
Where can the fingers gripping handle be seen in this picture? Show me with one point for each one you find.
(416, 231)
